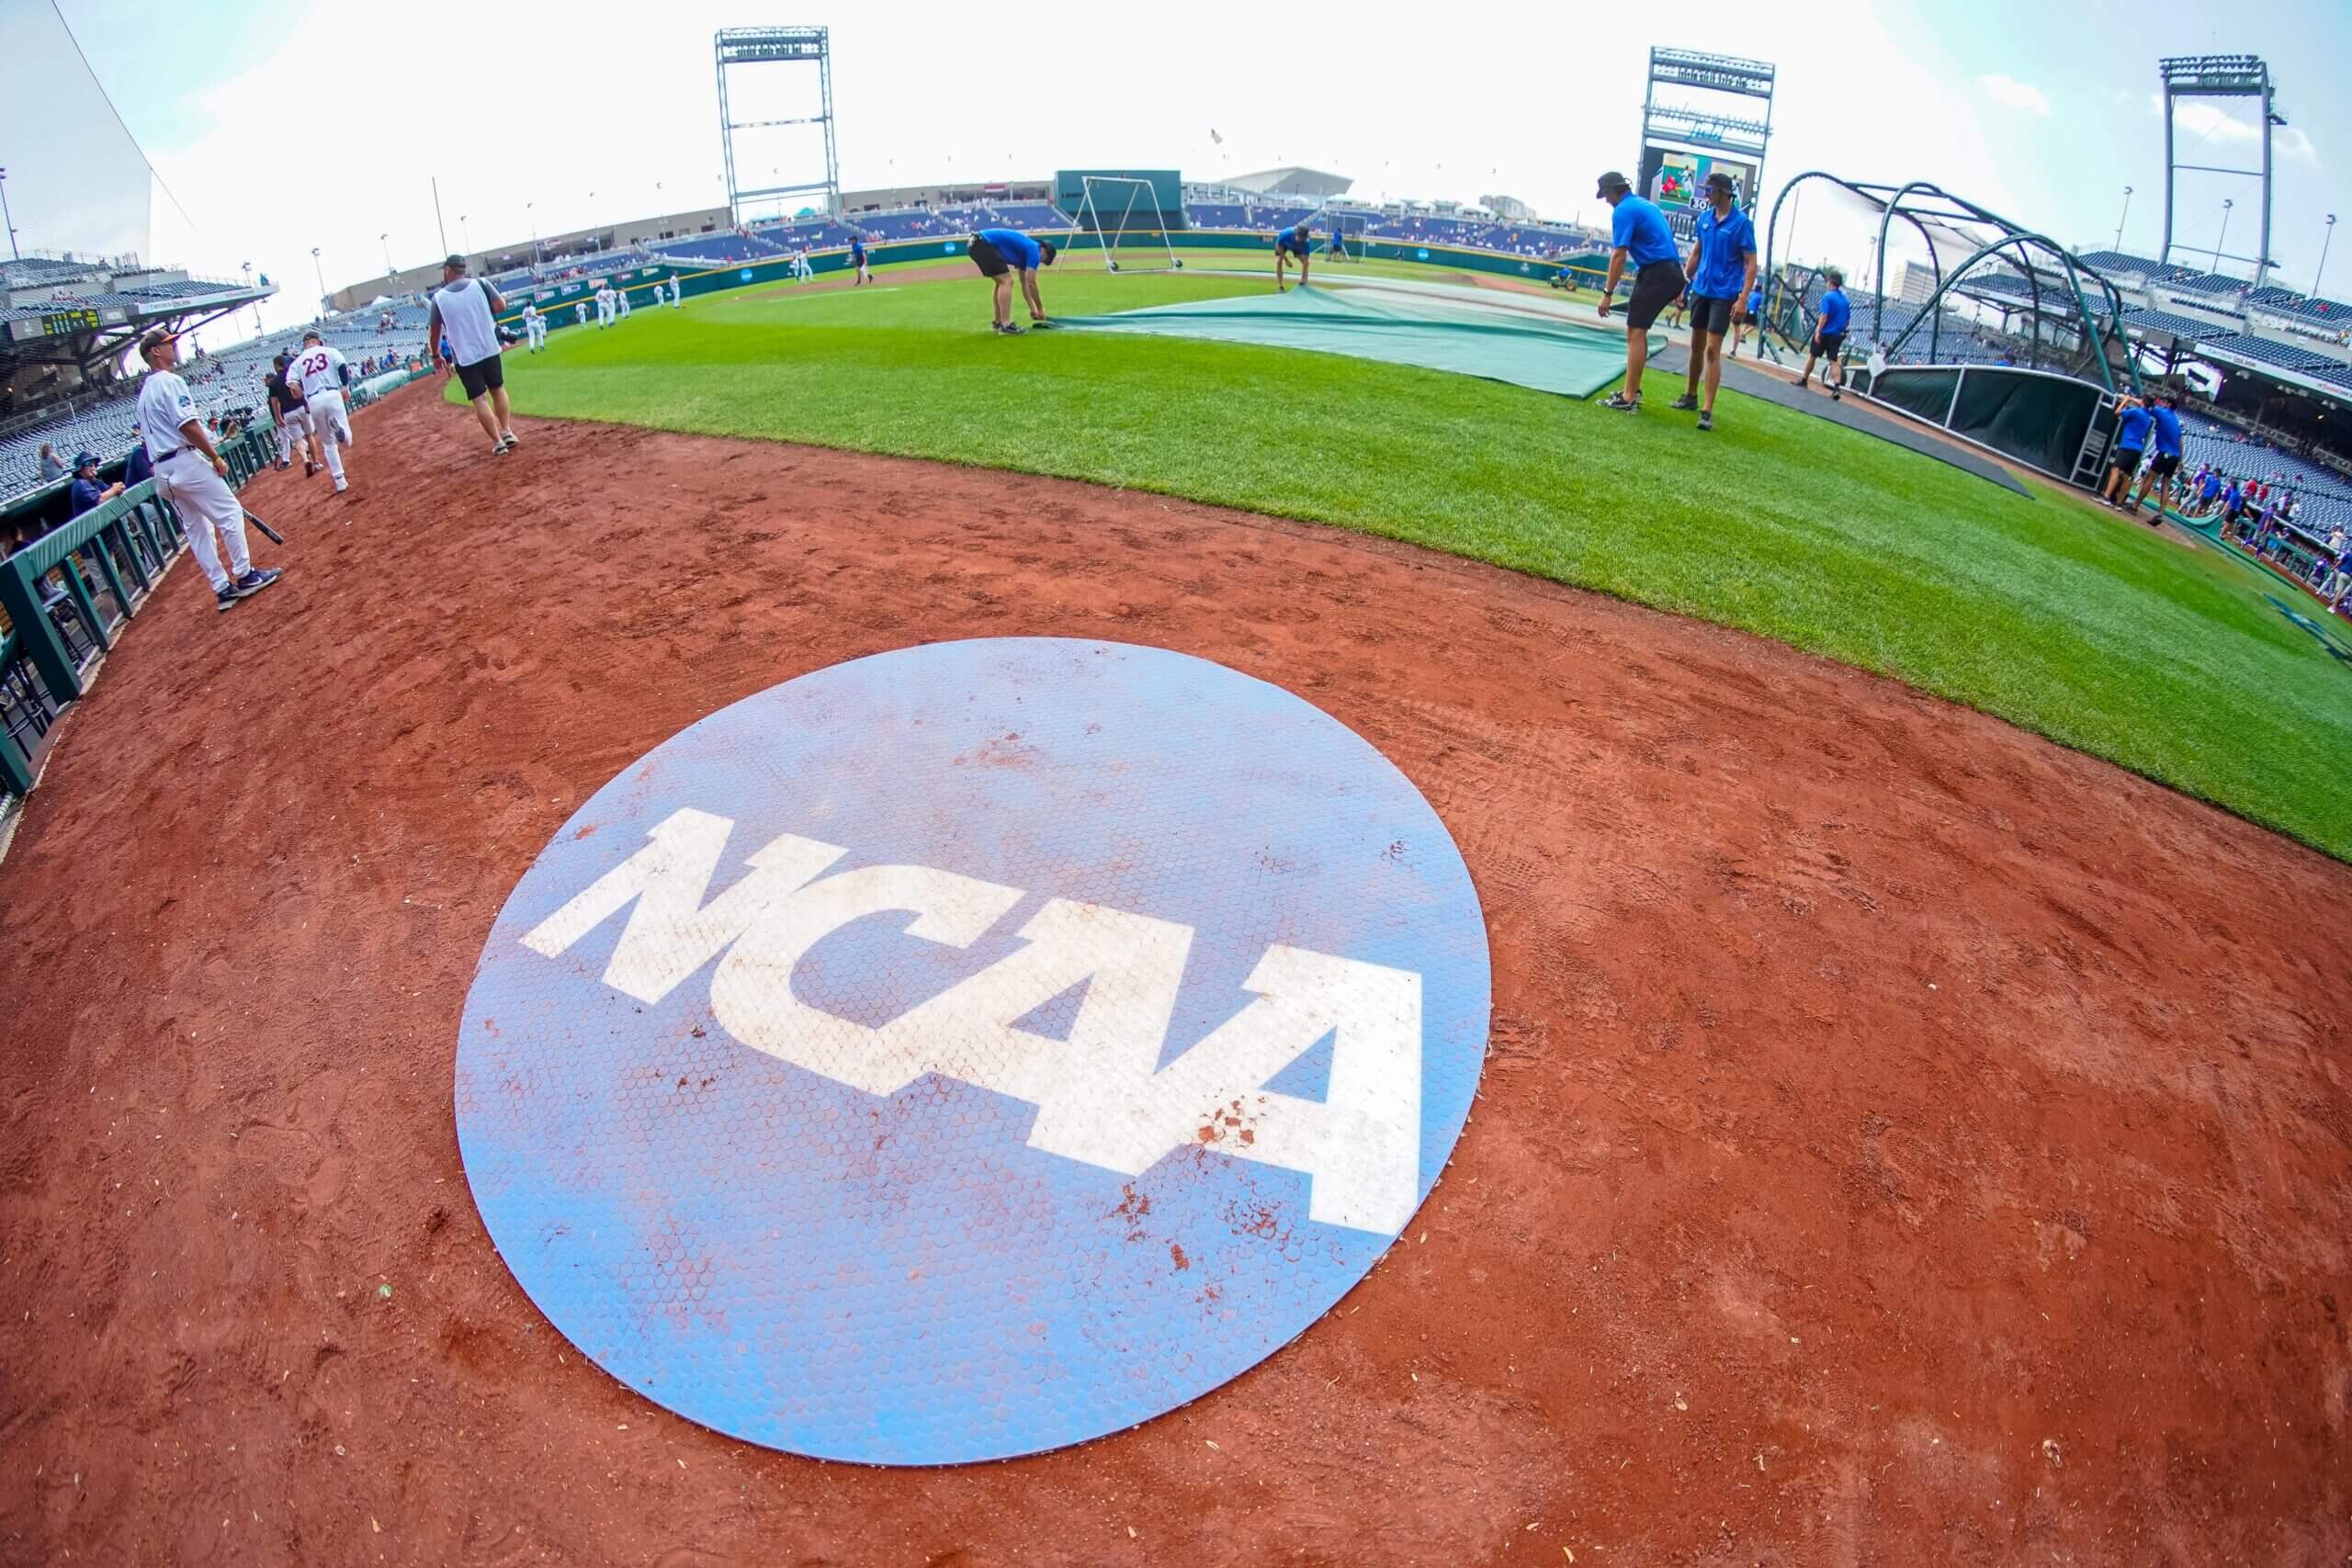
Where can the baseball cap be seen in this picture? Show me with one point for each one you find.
(154, 338)
(453, 263)
(84, 460)
(1720, 180)
(1611, 181)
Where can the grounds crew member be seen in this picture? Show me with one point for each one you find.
(1830, 336)
(1638, 231)
(1299, 243)
(191, 475)
(1000, 253)
(2133, 420)
(1723, 275)
(2166, 467)
(465, 310)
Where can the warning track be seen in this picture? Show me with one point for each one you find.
(1902, 1140)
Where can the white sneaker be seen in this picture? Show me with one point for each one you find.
(342, 485)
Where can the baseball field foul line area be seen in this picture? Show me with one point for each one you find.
(1883, 1135)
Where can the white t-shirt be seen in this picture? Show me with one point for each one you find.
(465, 318)
(164, 405)
(314, 370)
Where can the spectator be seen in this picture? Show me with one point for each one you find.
(52, 467)
(86, 492)
(141, 467)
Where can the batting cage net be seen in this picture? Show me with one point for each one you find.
(1121, 217)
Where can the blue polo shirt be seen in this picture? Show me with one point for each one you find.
(2211, 486)
(1014, 246)
(84, 495)
(1290, 239)
(1834, 313)
(2132, 428)
(1725, 245)
(2167, 433)
(1639, 230)
(856, 251)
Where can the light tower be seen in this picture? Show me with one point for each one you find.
(2227, 76)
(740, 46)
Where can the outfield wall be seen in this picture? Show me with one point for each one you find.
(557, 301)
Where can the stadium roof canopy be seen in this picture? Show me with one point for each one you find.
(1292, 181)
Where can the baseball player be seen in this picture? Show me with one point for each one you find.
(534, 328)
(676, 295)
(293, 418)
(801, 271)
(321, 372)
(620, 302)
(604, 305)
(857, 260)
(1288, 243)
(191, 474)
(580, 312)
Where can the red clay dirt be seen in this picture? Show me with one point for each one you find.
(1902, 1142)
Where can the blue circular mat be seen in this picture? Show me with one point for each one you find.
(971, 1049)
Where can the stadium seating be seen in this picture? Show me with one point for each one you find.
(711, 250)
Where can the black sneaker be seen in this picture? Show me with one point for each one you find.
(1622, 403)
(1706, 419)
(254, 583)
(1684, 403)
(226, 598)
(1007, 329)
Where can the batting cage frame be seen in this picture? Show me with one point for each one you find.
(1114, 237)
(2018, 345)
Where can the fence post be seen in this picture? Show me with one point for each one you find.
(42, 645)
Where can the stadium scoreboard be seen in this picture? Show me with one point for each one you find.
(57, 323)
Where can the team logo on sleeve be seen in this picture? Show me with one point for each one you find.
(972, 1049)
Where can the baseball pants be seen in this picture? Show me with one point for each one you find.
(205, 503)
(330, 429)
(620, 306)
(539, 335)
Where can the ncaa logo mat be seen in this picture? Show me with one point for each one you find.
(971, 1049)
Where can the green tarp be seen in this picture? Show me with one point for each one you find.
(1502, 341)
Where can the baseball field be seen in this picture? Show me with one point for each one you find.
(1914, 1126)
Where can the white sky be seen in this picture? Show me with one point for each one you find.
(595, 112)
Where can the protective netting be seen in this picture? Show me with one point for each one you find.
(76, 181)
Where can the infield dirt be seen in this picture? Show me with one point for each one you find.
(1902, 1140)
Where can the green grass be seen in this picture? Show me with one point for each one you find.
(2058, 618)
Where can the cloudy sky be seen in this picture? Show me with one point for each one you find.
(281, 125)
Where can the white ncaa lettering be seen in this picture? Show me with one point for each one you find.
(1101, 1096)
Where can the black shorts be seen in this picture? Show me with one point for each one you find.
(1710, 315)
(1656, 286)
(2166, 465)
(2128, 459)
(988, 259)
(483, 375)
(1828, 346)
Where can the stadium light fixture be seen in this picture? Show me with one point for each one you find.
(318, 267)
(14, 254)
(2326, 235)
(387, 238)
(2127, 213)
(2226, 204)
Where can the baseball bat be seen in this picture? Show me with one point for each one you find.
(275, 536)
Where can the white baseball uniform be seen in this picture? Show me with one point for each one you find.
(802, 270)
(317, 368)
(201, 497)
(580, 312)
(604, 305)
(534, 326)
(674, 299)
(621, 301)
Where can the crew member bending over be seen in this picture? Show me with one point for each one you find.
(1299, 243)
(998, 254)
(1641, 240)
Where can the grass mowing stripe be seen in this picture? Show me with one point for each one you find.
(2065, 621)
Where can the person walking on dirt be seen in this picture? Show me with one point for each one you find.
(1641, 240)
(467, 310)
